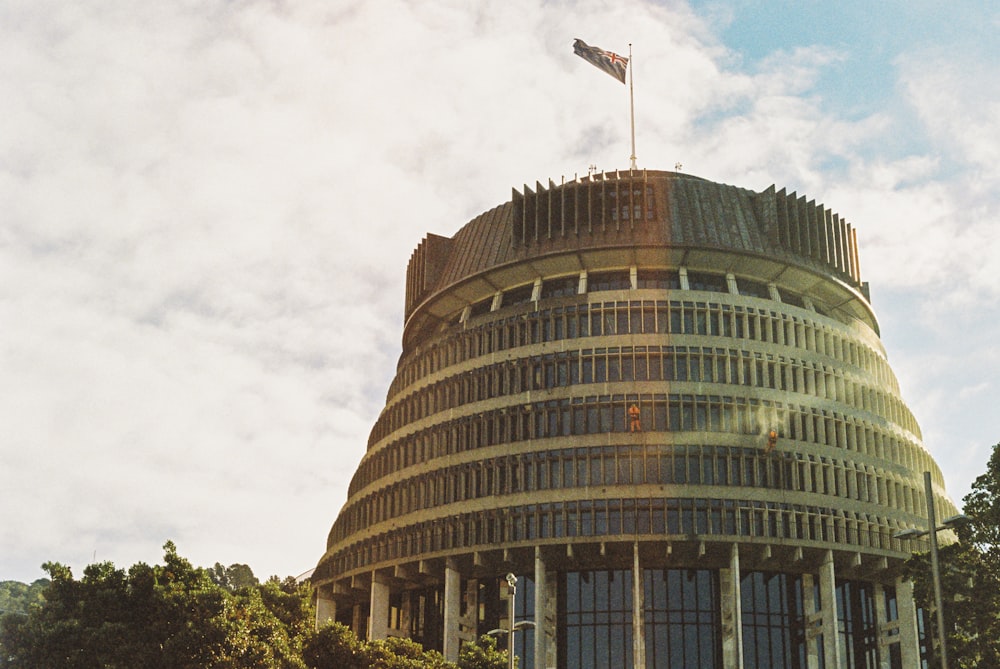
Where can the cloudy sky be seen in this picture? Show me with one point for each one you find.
(206, 209)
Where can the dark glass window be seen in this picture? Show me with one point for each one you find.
(481, 307)
(520, 295)
(715, 283)
(773, 621)
(524, 609)
(663, 280)
(753, 288)
(793, 299)
(608, 281)
(682, 618)
(595, 617)
(560, 287)
(856, 625)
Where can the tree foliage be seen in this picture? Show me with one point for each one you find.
(970, 577)
(483, 654)
(20, 598)
(177, 616)
(165, 616)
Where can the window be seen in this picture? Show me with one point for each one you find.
(753, 288)
(682, 618)
(619, 280)
(659, 279)
(560, 287)
(595, 613)
(710, 282)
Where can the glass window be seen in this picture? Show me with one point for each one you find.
(710, 282)
(659, 279)
(773, 621)
(560, 287)
(753, 288)
(519, 295)
(682, 618)
(619, 280)
(595, 615)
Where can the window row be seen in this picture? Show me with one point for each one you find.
(637, 413)
(641, 317)
(630, 517)
(638, 364)
(624, 465)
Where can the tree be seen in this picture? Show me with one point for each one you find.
(970, 577)
(333, 646)
(982, 505)
(483, 654)
(170, 616)
(233, 577)
(400, 653)
(17, 597)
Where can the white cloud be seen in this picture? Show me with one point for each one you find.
(209, 209)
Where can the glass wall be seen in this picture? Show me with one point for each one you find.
(773, 621)
(595, 619)
(682, 625)
(524, 609)
(858, 631)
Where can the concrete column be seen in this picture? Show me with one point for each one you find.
(326, 608)
(638, 611)
(549, 615)
(731, 284)
(909, 640)
(633, 277)
(881, 626)
(541, 626)
(828, 609)
(358, 624)
(731, 608)
(452, 611)
(536, 290)
(812, 615)
(378, 622)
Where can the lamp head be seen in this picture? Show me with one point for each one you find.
(511, 580)
(911, 533)
(956, 520)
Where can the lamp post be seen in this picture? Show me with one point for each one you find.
(512, 582)
(514, 627)
(933, 529)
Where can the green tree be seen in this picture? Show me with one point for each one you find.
(170, 616)
(17, 597)
(483, 654)
(970, 578)
(400, 653)
(333, 646)
(233, 577)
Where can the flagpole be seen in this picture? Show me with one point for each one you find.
(631, 105)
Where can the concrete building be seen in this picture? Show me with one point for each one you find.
(663, 404)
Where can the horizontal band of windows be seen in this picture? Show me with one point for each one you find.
(624, 465)
(662, 518)
(644, 317)
(656, 413)
(638, 364)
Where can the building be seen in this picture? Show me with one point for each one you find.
(663, 404)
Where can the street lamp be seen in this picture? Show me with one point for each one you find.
(514, 627)
(933, 529)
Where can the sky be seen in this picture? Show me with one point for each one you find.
(207, 207)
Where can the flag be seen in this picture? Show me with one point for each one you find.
(611, 63)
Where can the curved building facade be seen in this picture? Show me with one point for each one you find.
(662, 403)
